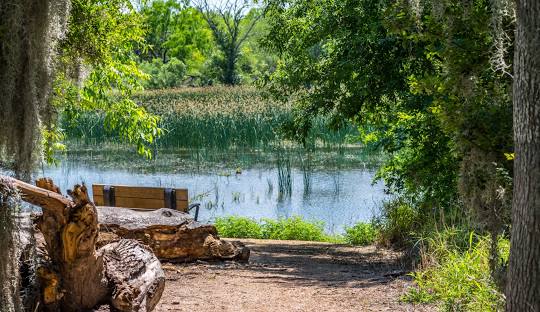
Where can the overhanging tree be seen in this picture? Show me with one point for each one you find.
(40, 42)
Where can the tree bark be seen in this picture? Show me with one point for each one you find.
(172, 235)
(77, 277)
(523, 288)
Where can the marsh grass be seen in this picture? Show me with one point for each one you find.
(212, 117)
(295, 228)
(283, 165)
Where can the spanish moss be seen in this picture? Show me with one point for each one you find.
(9, 266)
(29, 30)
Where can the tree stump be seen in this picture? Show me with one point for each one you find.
(78, 277)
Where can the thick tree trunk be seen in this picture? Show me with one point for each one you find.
(78, 277)
(523, 288)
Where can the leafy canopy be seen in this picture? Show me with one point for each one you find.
(100, 72)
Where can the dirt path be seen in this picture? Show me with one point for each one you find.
(291, 276)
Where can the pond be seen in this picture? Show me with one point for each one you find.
(335, 188)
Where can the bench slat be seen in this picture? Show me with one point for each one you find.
(140, 197)
(145, 203)
(140, 192)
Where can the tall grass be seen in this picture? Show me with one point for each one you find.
(284, 174)
(456, 272)
(454, 261)
(211, 117)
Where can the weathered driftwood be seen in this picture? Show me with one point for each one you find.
(78, 277)
(136, 273)
(173, 235)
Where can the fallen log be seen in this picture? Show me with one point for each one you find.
(76, 276)
(173, 235)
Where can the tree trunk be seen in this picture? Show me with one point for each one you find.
(229, 72)
(78, 277)
(523, 288)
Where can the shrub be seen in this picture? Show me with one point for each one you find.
(397, 223)
(294, 228)
(458, 278)
(361, 234)
(238, 227)
(164, 75)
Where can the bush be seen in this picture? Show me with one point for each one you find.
(164, 75)
(361, 234)
(458, 278)
(238, 227)
(294, 228)
(398, 223)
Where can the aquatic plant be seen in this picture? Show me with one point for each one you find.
(284, 174)
(211, 117)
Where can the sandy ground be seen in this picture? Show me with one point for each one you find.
(291, 276)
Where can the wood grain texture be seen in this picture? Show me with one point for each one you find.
(73, 275)
(140, 191)
(136, 273)
(172, 235)
(140, 197)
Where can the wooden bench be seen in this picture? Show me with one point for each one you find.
(143, 198)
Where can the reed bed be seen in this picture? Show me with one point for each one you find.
(211, 117)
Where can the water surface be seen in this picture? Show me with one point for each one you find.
(339, 193)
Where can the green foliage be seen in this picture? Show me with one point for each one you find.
(470, 93)
(423, 167)
(336, 57)
(101, 36)
(191, 40)
(168, 75)
(458, 276)
(256, 62)
(294, 228)
(398, 222)
(361, 234)
(213, 46)
(238, 227)
(175, 30)
(428, 84)
(231, 23)
(339, 59)
(52, 138)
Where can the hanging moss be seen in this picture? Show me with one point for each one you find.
(9, 266)
(29, 30)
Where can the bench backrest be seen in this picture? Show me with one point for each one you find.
(140, 197)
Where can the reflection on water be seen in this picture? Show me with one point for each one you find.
(339, 196)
